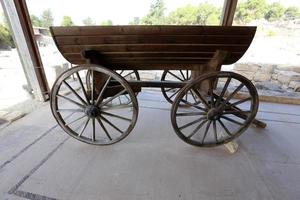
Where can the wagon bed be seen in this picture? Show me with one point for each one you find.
(201, 49)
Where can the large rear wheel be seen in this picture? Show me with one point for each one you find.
(91, 109)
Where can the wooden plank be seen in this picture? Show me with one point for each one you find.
(151, 48)
(153, 39)
(150, 30)
(111, 55)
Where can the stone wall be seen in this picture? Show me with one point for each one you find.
(270, 76)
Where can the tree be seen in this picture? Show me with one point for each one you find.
(67, 21)
(186, 15)
(136, 21)
(203, 14)
(155, 15)
(106, 23)
(36, 21)
(88, 21)
(208, 14)
(291, 13)
(274, 12)
(47, 18)
(6, 39)
(249, 10)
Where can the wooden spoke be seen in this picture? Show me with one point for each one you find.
(174, 75)
(128, 74)
(169, 89)
(70, 100)
(212, 104)
(112, 98)
(194, 97)
(82, 87)
(116, 116)
(191, 123)
(75, 93)
(232, 120)
(215, 131)
(103, 127)
(195, 106)
(73, 121)
(84, 127)
(93, 86)
(182, 75)
(206, 131)
(233, 93)
(93, 124)
(201, 98)
(174, 94)
(122, 106)
(197, 129)
(236, 112)
(121, 72)
(224, 127)
(223, 90)
(190, 114)
(241, 101)
(112, 125)
(70, 110)
(102, 91)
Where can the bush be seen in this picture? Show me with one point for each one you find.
(6, 39)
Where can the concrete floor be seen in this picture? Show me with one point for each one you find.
(39, 161)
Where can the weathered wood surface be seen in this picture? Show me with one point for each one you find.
(153, 47)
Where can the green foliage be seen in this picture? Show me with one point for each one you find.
(249, 10)
(106, 23)
(36, 21)
(275, 11)
(291, 13)
(47, 18)
(67, 21)
(5, 37)
(203, 14)
(88, 21)
(155, 15)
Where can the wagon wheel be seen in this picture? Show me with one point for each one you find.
(98, 118)
(176, 75)
(126, 74)
(227, 108)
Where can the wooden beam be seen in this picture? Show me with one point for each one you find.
(19, 21)
(228, 12)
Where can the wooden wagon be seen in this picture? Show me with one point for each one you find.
(95, 102)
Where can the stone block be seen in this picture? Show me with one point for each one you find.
(260, 76)
(274, 77)
(285, 77)
(266, 68)
(246, 67)
(248, 74)
(295, 85)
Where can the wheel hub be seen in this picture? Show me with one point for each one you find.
(92, 111)
(213, 114)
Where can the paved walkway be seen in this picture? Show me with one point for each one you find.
(39, 161)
